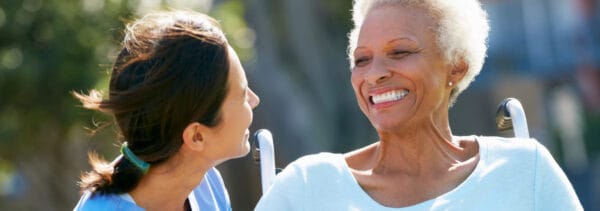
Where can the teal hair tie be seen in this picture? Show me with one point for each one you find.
(128, 154)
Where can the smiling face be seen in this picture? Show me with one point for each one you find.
(400, 78)
(231, 135)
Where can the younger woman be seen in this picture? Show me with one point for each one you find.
(181, 101)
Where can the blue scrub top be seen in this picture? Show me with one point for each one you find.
(211, 194)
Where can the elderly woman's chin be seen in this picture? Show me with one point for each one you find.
(390, 122)
(391, 118)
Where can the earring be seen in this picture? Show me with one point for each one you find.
(450, 83)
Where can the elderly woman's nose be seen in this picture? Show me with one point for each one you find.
(377, 73)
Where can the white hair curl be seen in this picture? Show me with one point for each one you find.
(462, 31)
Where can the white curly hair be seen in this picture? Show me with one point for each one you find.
(462, 31)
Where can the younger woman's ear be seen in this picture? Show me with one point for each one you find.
(193, 136)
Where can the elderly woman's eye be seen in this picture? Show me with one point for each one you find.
(361, 61)
(399, 53)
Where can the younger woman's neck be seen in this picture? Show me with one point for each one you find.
(167, 186)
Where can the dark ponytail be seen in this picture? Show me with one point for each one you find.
(171, 71)
(120, 176)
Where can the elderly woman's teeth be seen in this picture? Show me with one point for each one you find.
(393, 95)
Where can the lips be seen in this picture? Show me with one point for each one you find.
(388, 96)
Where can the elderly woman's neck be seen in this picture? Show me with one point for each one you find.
(426, 149)
(434, 127)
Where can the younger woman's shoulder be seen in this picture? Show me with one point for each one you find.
(211, 193)
(99, 202)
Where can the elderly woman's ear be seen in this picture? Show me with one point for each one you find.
(458, 71)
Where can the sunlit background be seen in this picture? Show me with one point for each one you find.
(544, 52)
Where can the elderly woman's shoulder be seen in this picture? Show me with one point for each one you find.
(511, 147)
(323, 161)
(508, 142)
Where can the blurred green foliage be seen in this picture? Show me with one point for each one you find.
(47, 49)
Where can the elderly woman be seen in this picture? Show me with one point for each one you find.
(182, 104)
(410, 60)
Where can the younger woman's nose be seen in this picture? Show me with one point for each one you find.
(254, 99)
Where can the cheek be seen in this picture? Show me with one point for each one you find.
(356, 79)
(243, 118)
(434, 82)
(248, 112)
